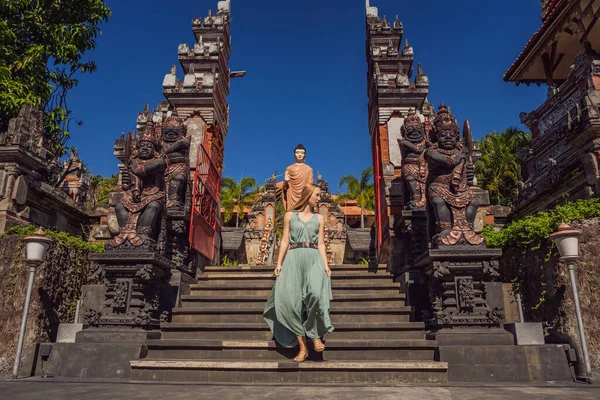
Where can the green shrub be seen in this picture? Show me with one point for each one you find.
(532, 231)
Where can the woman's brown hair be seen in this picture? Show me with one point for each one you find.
(306, 193)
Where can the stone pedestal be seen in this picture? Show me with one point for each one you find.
(526, 333)
(457, 278)
(177, 246)
(67, 332)
(134, 281)
(409, 242)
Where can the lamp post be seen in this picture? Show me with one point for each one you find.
(36, 246)
(567, 241)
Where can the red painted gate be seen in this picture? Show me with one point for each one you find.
(205, 205)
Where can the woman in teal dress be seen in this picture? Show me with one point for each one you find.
(298, 306)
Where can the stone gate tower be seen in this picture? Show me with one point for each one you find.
(200, 101)
(392, 93)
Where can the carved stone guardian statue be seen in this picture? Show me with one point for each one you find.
(449, 183)
(414, 166)
(296, 177)
(175, 148)
(144, 197)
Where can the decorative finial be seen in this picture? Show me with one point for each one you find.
(122, 135)
(39, 232)
(419, 69)
(146, 109)
(173, 70)
(406, 43)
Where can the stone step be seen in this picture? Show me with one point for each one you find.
(337, 349)
(253, 313)
(260, 330)
(269, 268)
(264, 288)
(353, 298)
(226, 278)
(257, 371)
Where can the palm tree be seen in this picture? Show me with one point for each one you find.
(237, 195)
(499, 167)
(359, 190)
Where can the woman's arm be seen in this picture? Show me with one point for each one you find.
(285, 242)
(322, 249)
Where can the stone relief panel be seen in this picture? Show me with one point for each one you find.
(394, 134)
(195, 131)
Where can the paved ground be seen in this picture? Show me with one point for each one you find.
(64, 390)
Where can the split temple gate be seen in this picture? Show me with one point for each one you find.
(160, 311)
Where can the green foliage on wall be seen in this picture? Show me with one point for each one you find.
(59, 280)
(64, 238)
(532, 231)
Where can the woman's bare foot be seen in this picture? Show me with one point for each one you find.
(318, 345)
(302, 356)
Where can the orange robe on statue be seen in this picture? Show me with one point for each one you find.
(299, 175)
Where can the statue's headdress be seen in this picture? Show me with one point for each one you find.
(173, 121)
(148, 135)
(412, 120)
(444, 121)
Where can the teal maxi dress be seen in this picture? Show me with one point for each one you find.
(299, 302)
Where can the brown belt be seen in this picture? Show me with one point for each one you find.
(304, 245)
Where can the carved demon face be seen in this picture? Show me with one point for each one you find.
(172, 134)
(300, 155)
(415, 134)
(448, 139)
(145, 150)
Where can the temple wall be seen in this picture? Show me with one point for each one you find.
(338, 248)
(57, 287)
(394, 127)
(546, 289)
(195, 130)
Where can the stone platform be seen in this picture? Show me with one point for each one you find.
(99, 390)
(217, 334)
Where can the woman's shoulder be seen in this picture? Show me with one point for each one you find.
(320, 217)
(288, 215)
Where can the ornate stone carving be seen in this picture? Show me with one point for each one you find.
(27, 131)
(144, 197)
(92, 317)
(450, 176)
(175, 149)
(120, 294)
(414, 166)
(466, 294)
(134, 281)
(496, 315)
(266, 243)
(457, 286)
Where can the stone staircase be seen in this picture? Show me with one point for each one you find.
(218, 335)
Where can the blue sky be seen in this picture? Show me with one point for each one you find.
(306, 80)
